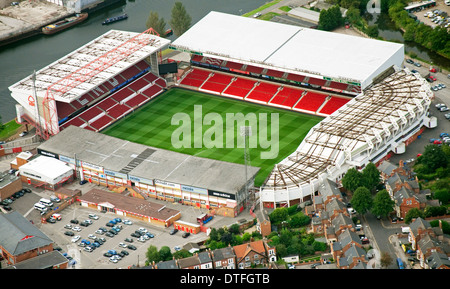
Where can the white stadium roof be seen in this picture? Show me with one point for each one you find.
(291, 48)
(362, 127)
(91, 65)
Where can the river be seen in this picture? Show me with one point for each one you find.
(387, 30)
(20, 59)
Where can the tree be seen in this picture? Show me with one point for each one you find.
(370, 176)
(330, 18)
(413, 214)
(352, 180)
(165, 254)
(372, 31)
(278, 215)
(362, 200)
(181, 20)
(158, 24)
(385, 260)
(152, 255)
(433, 157)
(382, 204)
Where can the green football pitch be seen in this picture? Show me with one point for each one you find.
(195, 123)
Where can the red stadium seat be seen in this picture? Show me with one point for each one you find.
(333, 104)
(311, 101)
(287, 97)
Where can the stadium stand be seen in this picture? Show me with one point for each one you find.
(333, 104)
(217, 82)
(101, 122)
(287, 97)
(240, 87)
(263, 92)
(311, 101)
(195, 77)
(316, 81)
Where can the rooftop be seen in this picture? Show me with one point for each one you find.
(89, 66)
(116, 154)
(286, 47)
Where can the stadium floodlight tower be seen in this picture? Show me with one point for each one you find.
(246, 132)
(59, 89)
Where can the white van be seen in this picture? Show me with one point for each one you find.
(40, 207)
(46, 202)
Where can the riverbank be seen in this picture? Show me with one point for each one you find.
(27, 19)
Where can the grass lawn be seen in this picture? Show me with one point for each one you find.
(151, 125)
(10, 128)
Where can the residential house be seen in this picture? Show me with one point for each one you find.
(170, 264)
(348, 250)
(23, 240)
(339, 224)
(405, 200)
(438, 260)
(430, 242)
(254, 253)
(200, 260)
(224, 258)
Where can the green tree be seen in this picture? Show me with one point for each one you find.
(352, 180)
(158, 24)
(371, 176)
(183, 253)
(278, 215)
(382, 204)
(372, 31)
(181, 20)
(330, 18)
(152, 255)
(362, 200)
(413, 214)
(165, 254)
(443, 195)
(410, 32)
(433, 157)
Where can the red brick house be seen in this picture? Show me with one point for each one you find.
(254, 253)
(23, 240)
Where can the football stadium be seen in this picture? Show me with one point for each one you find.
(340, 102)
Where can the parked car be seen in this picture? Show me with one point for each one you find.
(444, 108)
(173, 231)
(74, 221)
(437, 142)
(417, 64)
(93, 216)
(410, 61)
(127, 222)
(185, 234)
(75, 238)
(129, 240)
(433, 69)
(69, 233)
(24, 133)
(131, 247)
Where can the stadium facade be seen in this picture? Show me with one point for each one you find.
(371, 106)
